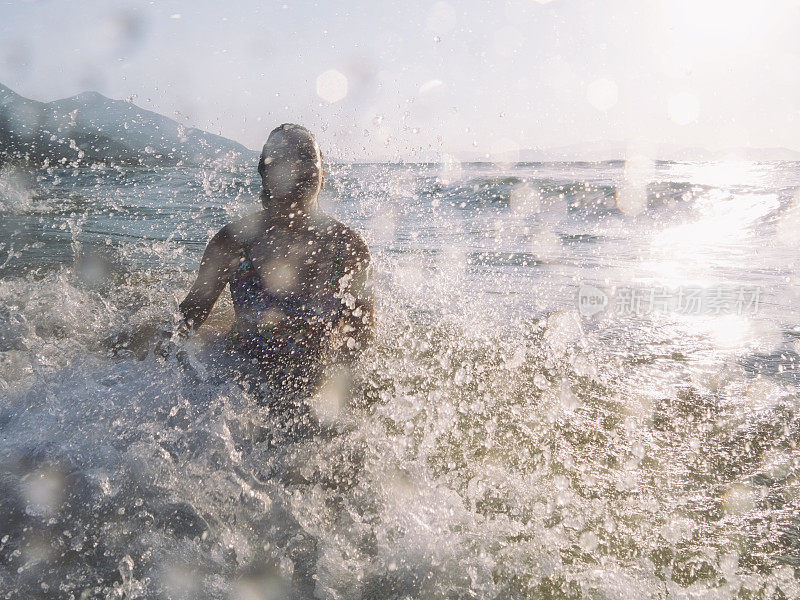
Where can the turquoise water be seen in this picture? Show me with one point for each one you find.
(496, 443)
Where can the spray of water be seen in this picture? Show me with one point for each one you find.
(492, 444)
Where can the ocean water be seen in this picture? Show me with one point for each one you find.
(497, 441)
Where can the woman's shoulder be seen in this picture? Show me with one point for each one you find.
(347, 237)
(245, 230)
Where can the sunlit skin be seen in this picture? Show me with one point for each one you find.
(293, 246)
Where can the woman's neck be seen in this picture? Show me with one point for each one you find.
(291, 212)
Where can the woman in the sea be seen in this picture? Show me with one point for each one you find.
(300, 280)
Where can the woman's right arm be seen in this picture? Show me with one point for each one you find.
(219, 261)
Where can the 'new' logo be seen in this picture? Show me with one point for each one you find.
(591, 300)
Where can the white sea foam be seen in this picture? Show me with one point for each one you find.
(491, 445)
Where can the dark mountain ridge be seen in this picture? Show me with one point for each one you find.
(90, 129)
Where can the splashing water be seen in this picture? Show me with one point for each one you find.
(494, 443)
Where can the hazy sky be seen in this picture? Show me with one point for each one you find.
(422, 77)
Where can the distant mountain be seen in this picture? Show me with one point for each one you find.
(758, 154)
(90, 128)
(615, 150)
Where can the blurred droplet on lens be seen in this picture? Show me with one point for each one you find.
(43, 490)
(631, 194)
(524, 199)
(442, 18)
(602, 94)
(504, 152)
(15, 54)
(123, 31)
(430, 86)
(631, 199)
(787, 230)
(738, 499)
(563, 329)
(451, 170)
(332, 86)
(94, 267)
(545, 245)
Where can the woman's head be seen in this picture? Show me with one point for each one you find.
(291, 168)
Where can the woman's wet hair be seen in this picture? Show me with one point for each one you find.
(290, 165)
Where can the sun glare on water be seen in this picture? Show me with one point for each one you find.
(696, 251)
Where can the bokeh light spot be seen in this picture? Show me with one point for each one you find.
(332, 86)
(504, 151)
(442, 18)
(787, 229)
(430, 86)
(602, 94)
